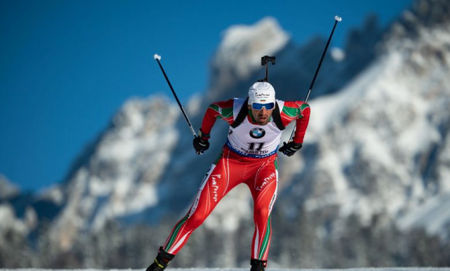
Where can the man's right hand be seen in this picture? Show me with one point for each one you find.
(201, 144)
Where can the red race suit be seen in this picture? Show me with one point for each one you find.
(249, 156)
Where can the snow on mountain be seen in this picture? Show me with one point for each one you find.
(251, 42)
(240, 51)
(120, 177)
(7, 189)
(9, 220)
(381, 143)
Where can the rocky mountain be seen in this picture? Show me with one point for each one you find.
(7, 189)
(376, 156)
(380, 145)
(120, 177)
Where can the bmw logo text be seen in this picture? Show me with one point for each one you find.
(257, 132)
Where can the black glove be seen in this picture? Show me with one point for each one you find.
(201, 143)
(290, 148)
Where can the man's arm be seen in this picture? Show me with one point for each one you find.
(298, 111)
(302, 123)
(219, 110)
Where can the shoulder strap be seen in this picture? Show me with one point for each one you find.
(276, 116)
(242, 114)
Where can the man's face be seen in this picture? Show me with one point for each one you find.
(262, 116)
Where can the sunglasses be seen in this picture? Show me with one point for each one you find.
(258, 106)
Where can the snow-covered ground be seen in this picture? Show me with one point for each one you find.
(245, 269)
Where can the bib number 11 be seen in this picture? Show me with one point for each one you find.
(259, 146)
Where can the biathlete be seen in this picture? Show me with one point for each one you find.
(249, 156)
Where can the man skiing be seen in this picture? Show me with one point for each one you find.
(249, 156)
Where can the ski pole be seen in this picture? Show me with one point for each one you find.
(158, 59)
(337, 19)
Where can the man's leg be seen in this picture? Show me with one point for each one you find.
(210, 193)
(217, 183)
(264, 192)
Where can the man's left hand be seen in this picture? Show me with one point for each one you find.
(290, 148)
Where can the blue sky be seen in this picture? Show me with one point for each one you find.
(67, 66)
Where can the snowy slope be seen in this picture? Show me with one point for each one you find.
(245, 269)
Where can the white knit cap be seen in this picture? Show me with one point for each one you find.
(261, 92)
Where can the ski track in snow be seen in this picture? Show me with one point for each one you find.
(246, 269)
